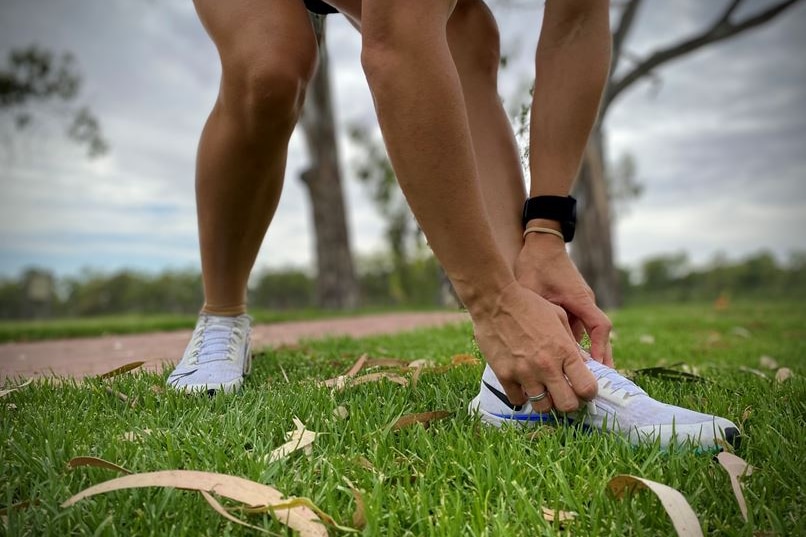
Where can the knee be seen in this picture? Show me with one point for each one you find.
(263, 92)
(474, 39)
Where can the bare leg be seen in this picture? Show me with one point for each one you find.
(268, 53)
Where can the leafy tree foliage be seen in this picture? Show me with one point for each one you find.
(34, 76)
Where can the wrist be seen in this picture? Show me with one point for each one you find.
(481, 295)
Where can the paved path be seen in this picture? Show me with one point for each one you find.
(90, 356)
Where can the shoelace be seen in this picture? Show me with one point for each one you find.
(613, 381)
(214, 338)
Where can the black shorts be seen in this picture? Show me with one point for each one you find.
(319, 7)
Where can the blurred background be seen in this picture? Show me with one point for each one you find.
(700, 194)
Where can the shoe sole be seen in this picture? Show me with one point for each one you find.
(497, 421)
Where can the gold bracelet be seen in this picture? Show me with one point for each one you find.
(543, 230)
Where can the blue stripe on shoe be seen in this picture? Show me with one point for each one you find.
(542, 418)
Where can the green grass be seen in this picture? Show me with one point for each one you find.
(454, 478)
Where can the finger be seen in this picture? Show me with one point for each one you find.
(601, 350)
(563, 317)
(598, 326)
(580, 377)
(515, 394)
(563, 395)
(577, 327)
(545, 404)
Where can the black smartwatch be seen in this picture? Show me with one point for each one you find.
(563, 209)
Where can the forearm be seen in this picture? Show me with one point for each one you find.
(572, 65)
(425, 126)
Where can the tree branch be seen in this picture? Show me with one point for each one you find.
(620, 35)
(722, 29)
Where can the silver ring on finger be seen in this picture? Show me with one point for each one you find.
(539, 397)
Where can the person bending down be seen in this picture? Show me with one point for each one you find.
(432, 68)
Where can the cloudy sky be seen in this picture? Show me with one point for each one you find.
(719, 139)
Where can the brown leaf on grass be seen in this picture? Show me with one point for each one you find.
(218, 508)
(130, 401)
(755, 372)
(365, 463)
(17, 506)
(464, 359)
(134, 436)
(415, 377)
(75, 462)
(341, 412)
(375, 377)
(783, 374)
(11, 406)
(255, 495)
(685, 373)
(387, 362)
(737, 469)
(359, 516)
(120, 370)
(684, 519)
(300, 438)
(425, 418)
(561, 516)
(420, 363)
(5, 392)
(357, 366)
(768, 362)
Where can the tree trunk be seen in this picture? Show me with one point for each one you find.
(592, 249)
(336, 284)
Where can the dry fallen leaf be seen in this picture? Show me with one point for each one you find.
(218, 508)
(756, 372)
(464, 359)
(75, 462)
(359, 516)
(134, 436)
(422, 362)
(120, 370)
(741, 331)
(783, 374)
(300, 438)
(386, 362)
(341, 412)
(375, 377)
(357, 366)
(255, 495)
(562, 516)
(425, 418)
(683, 517)
(737, 468)
(3, 393)
(768, 362)
(415, 377)
(365, 463)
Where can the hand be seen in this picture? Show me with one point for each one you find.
(544, 267)
(528, 343)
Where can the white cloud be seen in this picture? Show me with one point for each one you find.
(718, 147)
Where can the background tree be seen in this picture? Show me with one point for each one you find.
(593, 245)
(33, 77)
(336, 284)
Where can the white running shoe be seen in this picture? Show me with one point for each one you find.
(217, 357)
(620, 407)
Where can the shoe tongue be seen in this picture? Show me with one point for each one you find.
(215, 344)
